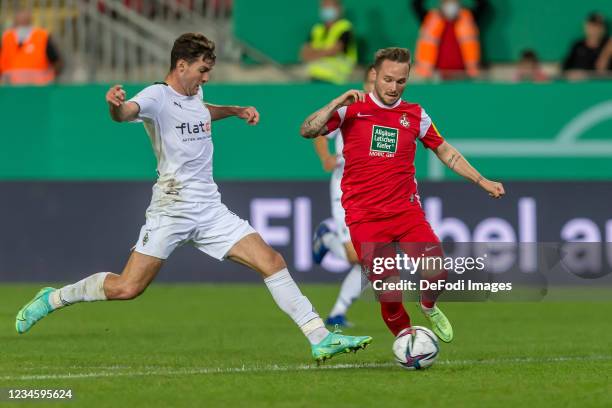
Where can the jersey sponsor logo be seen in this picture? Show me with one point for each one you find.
(190, 129)
(384, 141)
(177, 104)
(404, 121)
(362, 115)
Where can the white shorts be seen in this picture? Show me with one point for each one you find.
(335, 193)
(210, 227)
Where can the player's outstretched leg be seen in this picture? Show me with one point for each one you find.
(49, 299)
(138, 273)
(253, 252)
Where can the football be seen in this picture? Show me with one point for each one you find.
(416, 348)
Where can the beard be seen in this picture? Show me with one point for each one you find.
(384, 98)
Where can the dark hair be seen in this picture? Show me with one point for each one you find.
(191, 47)
(394, 54)
(367, 72)
(596, 18)
(529, 55)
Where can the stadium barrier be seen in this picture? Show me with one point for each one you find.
(513, 132)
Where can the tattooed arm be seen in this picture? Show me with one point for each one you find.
(314, 125)
(457, 163)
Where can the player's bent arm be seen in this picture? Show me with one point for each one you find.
(455, 161)
(125, 112)
(315, 124)
(248, 113)
(120, 111)
(221, 111)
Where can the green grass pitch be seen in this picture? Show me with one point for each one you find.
(229, 345)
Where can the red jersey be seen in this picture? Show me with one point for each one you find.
(449, 55)
(379, 148)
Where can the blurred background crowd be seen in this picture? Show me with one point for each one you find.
(80, 41)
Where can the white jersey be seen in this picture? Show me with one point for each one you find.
(179, 128)
(339, 145)
(335, 190)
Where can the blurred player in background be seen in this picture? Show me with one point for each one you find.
(186, 206)
(338, 239)
(379, 191)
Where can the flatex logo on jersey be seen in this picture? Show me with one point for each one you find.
(384, 141)
(188, 129)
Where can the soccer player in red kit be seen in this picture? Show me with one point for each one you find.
(379, 189)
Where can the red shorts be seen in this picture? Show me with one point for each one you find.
(410, 228)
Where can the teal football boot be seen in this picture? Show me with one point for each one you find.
(34, 310)
(337, 343)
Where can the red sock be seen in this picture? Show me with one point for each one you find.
(429, 297)
(395, 316)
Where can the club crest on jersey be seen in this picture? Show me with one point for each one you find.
(384, 141)
(404, 121)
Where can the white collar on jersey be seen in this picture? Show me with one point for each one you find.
(180, 95)
(382, 105)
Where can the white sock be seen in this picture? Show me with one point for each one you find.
(335, 245)
(291, 301)
(89, 289)
(349, 291)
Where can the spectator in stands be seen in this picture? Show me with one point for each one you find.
(449, 39)
(584, 56)
(27, 53)
(331, 50)
(529, 69)
(604, 62)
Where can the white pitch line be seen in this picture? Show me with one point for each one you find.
(76, 367)
(302, 367)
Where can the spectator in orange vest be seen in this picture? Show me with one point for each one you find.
(27, 54)
(448, 39)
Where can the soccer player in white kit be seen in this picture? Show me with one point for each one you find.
(186, 205)
(338, 239)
